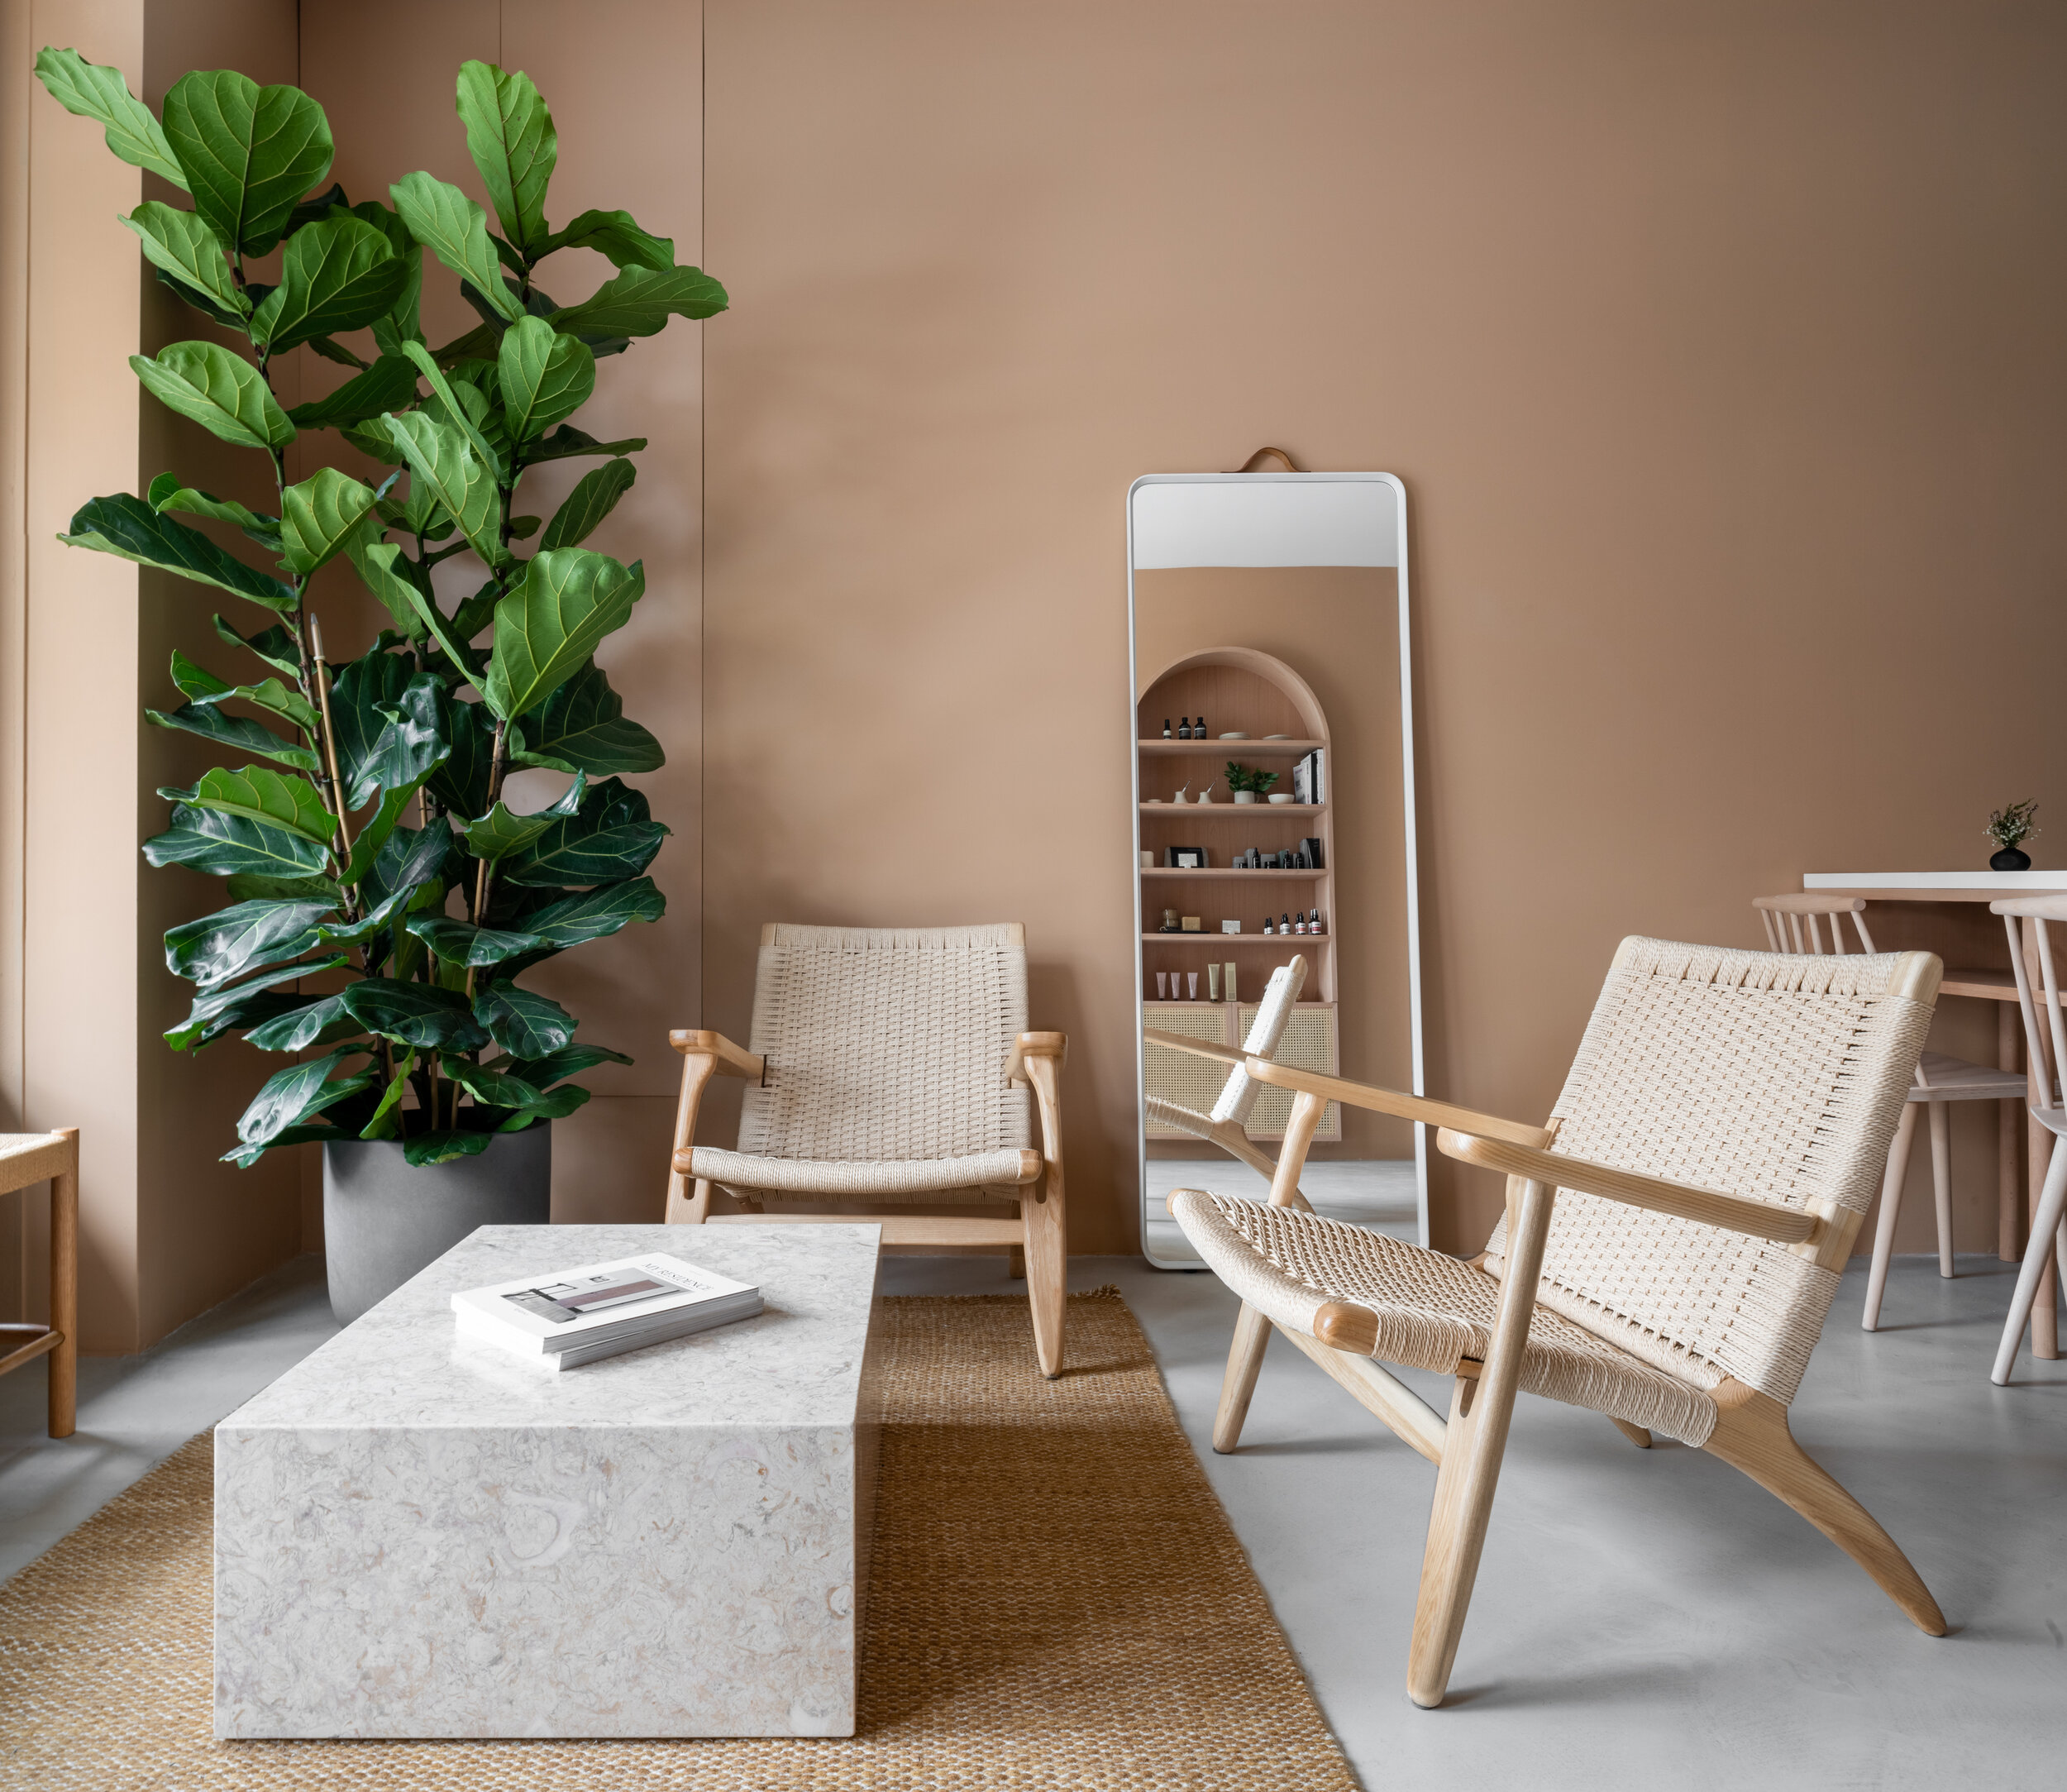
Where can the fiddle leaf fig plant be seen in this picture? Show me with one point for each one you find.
(385, 900)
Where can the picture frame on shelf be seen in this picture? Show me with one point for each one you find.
(1184, 858)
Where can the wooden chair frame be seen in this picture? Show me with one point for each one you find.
(56, 1161)
(1751, 1430)
(1037, 1241)
(2046, 1051)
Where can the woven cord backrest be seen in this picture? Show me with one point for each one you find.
(1241, 1092)
(887, 1043)
(1778, 1076)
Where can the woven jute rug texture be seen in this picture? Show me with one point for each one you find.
(1057, 1600)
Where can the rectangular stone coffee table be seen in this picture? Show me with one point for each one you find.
(417, 1535)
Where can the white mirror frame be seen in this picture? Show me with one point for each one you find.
(1173, 521)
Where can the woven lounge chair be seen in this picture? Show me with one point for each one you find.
(890, 1065)
(1746, 1101)
(1227, 1125)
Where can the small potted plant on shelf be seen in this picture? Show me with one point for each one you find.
(1248, 784)
(2008, 827)
(343, 947)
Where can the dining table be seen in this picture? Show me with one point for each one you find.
(1947, 913)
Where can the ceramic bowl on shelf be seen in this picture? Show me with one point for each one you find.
(1277, 737)
(1281, 796)
(1238, 734)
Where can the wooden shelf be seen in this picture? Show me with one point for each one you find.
(1238, 939)
(1181, 870)
(1235, 749)
(1218, 811)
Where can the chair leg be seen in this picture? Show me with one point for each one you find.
(1244, 1360)
(63, 1361)
(1015, 1264)
(1047, 1276)
(1751, 1434)
(1941, 1183)
(1636, 1433)
(2045, 1223)
(1474, 1441)
(1890, 1211)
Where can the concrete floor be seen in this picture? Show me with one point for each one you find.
(1646, 1620)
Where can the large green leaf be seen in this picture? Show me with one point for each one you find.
(222, 392)
(569, 1061)
(246, 936)
(597, 913)
(640, 300)
(243, 886)
(380, 1126)
(203, 687)
(454, 229)
(462, 943)
(289, 803)
(339, 274)
(317, 1021)
(389, 722)
(128, 526)
(90, 90)
(440, 455)
(509, 134)
(182, 244)
(238, 732)
(373, 920)
(501, 831)
(549, 625)
(411, 859)
(391, 575)
(320, 517)
(299, 1092)
(374, 832)
(249, 152)
(613, 837)
(415, 1013)
(389, 384)
(272, 643)
(545, 377)
(421, 1149)
(595, 496)
(566, 443)
(166, 493)
(472, 414)
(524, 1023)
(242, 1005)
(225, 845)
(582, 728)
(462, 782)
(617, 235)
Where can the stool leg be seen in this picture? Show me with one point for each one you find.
(2038, 1266)
(64, 1292)
(1941, 1183)
(1890, 1211)
(2009, 1203)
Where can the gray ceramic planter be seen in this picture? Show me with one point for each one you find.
(383, 1221)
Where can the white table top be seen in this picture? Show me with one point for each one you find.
(1934, 886)
(404, 1365)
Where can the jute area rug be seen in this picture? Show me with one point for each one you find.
(1057, 1600)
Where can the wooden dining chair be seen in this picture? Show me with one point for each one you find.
(26, 1159)
(890, 1067)
(1226, 1125)
(1671, 1242)
(2047, 1055)
(1792, 925)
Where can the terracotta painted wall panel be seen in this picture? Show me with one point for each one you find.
(1718, 350)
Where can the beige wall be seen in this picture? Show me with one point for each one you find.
(1719, 350)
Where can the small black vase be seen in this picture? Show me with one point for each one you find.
(2011, 858)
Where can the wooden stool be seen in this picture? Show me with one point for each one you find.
(27, 1158)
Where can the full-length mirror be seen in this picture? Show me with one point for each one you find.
(1275, 880)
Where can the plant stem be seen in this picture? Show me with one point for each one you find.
(330, 735)
(498, 763)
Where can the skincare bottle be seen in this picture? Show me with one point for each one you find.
(1167, 734)
(1184, 728)
(1284, 924)
(1267, 928)
(1299, 926)
(1198, 731)
(1313, 922)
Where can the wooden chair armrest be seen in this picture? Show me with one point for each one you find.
(1179, 1042)
(1738, 1213)
(1405, 1106)
(727, 1058)
(1050, 1045)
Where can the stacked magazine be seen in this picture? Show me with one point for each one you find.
(574, 1317)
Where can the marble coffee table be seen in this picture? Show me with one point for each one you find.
(417, 1535)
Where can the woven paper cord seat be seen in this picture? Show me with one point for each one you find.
(888, 1179)
(1433, 1311)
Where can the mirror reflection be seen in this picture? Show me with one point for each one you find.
(1273, 846)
